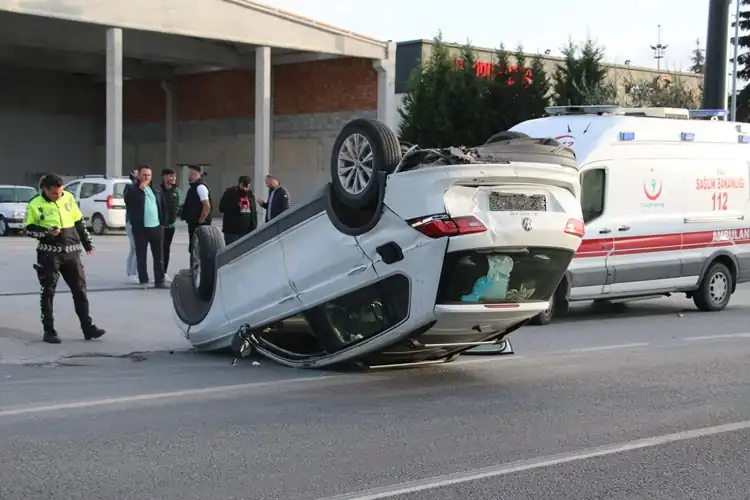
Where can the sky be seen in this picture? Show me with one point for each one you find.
(626, 29)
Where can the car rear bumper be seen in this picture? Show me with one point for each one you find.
(14, 223)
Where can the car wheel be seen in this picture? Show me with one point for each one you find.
(98, 226)
(544, 317)
(364, 150)
(715, 289)
(3, 226)
(207, 241)
(506, 136)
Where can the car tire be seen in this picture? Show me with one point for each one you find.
(4, 230)
(98, 225)
(505, 136)
(545, 317)
(207, 241)
(363, 144)
(715, 290)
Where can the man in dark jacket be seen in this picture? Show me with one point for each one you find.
(238, 206)
(196, 210)
(173, 199)
(278, 198)
(148, 216)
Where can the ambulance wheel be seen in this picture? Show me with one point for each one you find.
(364, 151)
(544, 317)
(715, 289)
(506, 136)
(207, 241)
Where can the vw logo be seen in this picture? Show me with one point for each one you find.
(526, 224)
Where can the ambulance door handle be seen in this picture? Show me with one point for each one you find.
(623, 228)
(605, 231)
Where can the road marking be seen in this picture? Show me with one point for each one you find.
(609, 347)
(31, 410)
(718, 337)
(536, 463)
(487, 359)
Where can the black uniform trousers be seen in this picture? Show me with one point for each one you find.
(153, 237)
(168, 236)
(49, 267)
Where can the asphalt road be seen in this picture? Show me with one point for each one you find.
(652, 402)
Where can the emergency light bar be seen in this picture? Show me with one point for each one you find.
(582, 110)
(712, 114)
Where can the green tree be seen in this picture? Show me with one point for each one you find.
(423, 107)
(658, 92)
(443, 101)
(698, 59)
(581, 79)
(743, 61)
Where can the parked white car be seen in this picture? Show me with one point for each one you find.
(101, 201)
(13, 200)
(402, 259)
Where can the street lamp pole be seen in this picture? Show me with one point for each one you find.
(733, 113)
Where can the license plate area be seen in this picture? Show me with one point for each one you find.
(517, 202)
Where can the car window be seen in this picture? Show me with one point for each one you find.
(71, 188)
(593, 190)
(118, 189)
(16, 194)
(89, 189)
(496, 276)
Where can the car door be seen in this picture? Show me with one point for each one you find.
(322, 262)
(647, 229)
(588, 272)
(395, 247)
(86, 197)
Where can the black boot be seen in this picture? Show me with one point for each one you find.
(50, 336)
(92, 332)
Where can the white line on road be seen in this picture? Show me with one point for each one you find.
(536, 463)
(609, 347)
(719, 337)
(30, 410)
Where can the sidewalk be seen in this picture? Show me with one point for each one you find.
(136, 320)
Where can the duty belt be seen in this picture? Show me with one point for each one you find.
(43, 247)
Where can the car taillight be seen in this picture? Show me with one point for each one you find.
(109, 202)
(437, 226)
(575, 227)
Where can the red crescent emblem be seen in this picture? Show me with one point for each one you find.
(652, 197)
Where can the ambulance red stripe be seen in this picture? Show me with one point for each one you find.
(601, 247)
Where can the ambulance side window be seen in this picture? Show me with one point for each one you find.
(593, 187)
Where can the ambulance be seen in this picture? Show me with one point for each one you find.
(664, 198)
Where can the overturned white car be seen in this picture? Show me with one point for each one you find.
(408, 256)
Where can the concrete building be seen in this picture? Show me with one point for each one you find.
(93, 87)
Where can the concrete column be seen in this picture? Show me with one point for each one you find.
(386, 69)
(262, 120)
(114, 102)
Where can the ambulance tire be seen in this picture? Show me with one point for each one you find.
(715, 290)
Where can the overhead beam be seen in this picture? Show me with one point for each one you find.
(70, 62)
(238, 21)
(43, 32)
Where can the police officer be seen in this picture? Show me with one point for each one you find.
(53, 218)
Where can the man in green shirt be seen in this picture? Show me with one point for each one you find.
(147, 210)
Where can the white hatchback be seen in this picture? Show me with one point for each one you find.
(404, 258)
(101, 201)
